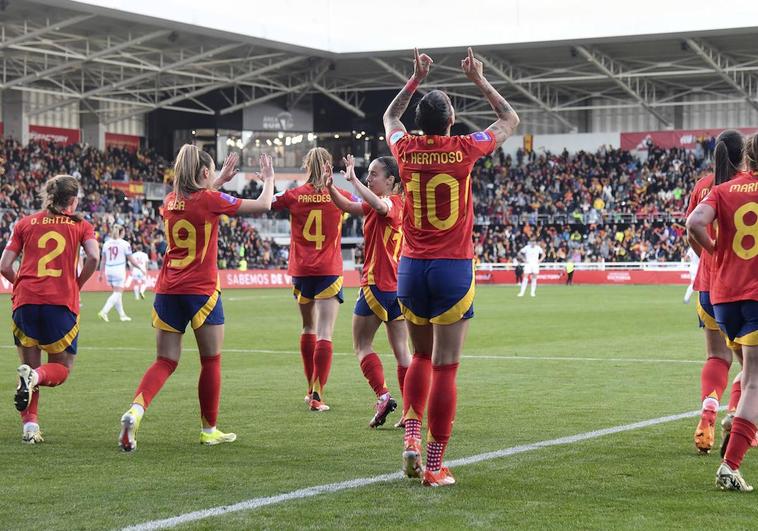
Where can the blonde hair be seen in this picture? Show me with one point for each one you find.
(57, 194)
(188, 169)
(117, 231)
(314, 163)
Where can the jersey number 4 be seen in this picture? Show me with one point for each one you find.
(313, 231)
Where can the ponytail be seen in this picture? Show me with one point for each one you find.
(728, 155)
(188, 170)
(58, 193)
(314, 163)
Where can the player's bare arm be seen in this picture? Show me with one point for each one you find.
(343, 203)
(373, 200)
(91, 256)
(6, 265)
(421, 65)
(228, 171)
(136, 264)
(697, 226)
(263, 202)
(507, 119)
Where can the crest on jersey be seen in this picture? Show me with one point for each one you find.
(394, 137)
(229, 198)
(481, 136)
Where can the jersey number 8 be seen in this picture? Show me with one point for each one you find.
(744, 230)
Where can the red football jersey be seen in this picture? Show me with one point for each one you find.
(316, 226)
(49, 246)
(735, 260)
(699, 192)
(383, 237)
(438, 217)
(191, 225)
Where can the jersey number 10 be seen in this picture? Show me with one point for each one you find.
(441, 179)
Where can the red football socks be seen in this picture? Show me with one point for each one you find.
(322, 364)
(51, 374)
(372, 369)
(209, 389)
(714, 378)
(153, 380)
(30, 413)
(743, 432)
(442, 399)
(401, 371)
(734, 395)
(307, 350)
(416, 386)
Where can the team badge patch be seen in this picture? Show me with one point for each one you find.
(394, 137)
(229, 198)
(481, 136)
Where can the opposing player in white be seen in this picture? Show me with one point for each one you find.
(694, 260)
(532, 254)
(116, 253)
(138, 277)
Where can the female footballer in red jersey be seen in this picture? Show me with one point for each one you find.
(46, 293)
(377, 303)
(715, 374)
(315, 265)
(436, 271)
(734, 294)
(187, 291)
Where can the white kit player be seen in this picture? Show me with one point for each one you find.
(531, 254)
(116, 253)
(694, 260)
(138, 277)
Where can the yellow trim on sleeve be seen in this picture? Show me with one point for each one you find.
(374, 304)
(332, 290)
(412, 317)
(160, 324)
(202, 314)
(455, 314)
(64, 342)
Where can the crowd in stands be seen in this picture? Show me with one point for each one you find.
(23, 169)
(604, 206)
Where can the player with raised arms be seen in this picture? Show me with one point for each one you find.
(714, 376)
(436, 281)
(733, 205)
(46, 293)
(116, 253)
(382, 209)
(315, 265)
(187, 291)
(532, 254)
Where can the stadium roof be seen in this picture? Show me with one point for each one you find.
(567, 62)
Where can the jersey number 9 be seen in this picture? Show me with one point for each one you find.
(187, 241)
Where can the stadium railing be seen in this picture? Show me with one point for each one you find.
(593, 266)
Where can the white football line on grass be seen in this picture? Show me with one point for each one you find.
(255, 503)
(465, 356)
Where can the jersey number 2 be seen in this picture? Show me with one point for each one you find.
(60, 245)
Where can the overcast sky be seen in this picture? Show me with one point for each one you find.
(381, 25)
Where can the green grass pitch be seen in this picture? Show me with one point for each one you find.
(630, 339)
